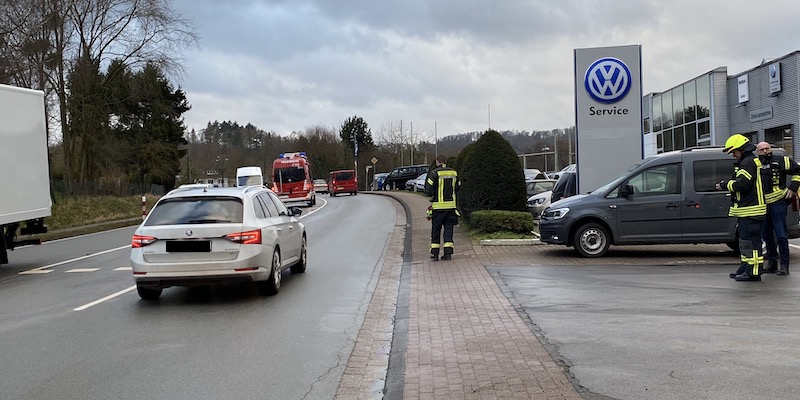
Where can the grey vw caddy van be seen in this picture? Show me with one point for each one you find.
(666, 198)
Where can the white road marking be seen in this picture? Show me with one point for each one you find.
(123, 269)
(31, 271)
(35, 272)
(109, 297)
(796, 246)
(82, 270)
(324, 203)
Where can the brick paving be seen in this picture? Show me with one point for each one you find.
(464, 338)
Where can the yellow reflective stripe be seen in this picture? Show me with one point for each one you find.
(435, 245)
(744, 173)
(730, 185)
(775, 195)
(748, 211)
(448, 244)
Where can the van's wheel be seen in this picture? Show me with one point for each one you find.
(300, 266)
(591, 240)
(149, 293)
(271, 286)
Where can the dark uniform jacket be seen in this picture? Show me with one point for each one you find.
(441, 186)
(775, 169)
(747, 190)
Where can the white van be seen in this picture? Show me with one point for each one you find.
(249, 176)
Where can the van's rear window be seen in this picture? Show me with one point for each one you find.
(289, 175)
(343, 176)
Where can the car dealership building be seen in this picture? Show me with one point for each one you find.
(762, 103)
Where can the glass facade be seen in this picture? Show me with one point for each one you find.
(681, 116)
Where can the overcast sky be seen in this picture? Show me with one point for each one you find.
(288, 65)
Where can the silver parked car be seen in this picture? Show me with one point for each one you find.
(205, 236)
(539, 192)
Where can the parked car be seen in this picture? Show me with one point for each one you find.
(532, 174)
(206, 236)
(398, 177)
(666, 198)
(377, 181)
(320, 186)
(419, 183)
(567, 183)
(539, 192)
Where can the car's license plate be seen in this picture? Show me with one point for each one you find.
(284, 196)
(188, 246)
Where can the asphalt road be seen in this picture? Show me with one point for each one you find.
(664, 332)
(80, 330)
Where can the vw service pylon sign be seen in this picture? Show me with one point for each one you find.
(608, 106)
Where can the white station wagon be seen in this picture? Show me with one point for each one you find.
(202, 236)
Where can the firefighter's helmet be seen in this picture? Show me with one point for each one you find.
(735, 142)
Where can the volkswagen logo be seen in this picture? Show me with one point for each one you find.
(608, 80)
(189, 232)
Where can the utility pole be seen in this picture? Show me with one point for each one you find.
(489, 109)
(435, 140)
(401, 142)
(412, 144)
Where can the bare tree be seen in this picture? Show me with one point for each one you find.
(42, 40)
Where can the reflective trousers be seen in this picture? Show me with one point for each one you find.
(442, 220)
(750, 244)
(775, 233)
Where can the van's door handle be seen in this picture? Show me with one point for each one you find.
(692, 204)
(672, 205)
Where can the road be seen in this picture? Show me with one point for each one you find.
(73, 327)
(659, 332)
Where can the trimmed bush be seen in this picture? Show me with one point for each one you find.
(491, 177)
(502, 221)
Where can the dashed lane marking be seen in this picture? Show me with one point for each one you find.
(82, 270)
(34, 271)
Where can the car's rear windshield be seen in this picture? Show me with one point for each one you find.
(343, 176)
(196, 210)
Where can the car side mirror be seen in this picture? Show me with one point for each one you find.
(295, 211)
(626, 190)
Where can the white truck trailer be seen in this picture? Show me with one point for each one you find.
(24, 172)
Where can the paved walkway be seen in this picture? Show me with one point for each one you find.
(462, 338)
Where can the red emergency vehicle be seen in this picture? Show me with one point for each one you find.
(291, 179)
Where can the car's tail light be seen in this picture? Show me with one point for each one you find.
(141, 241)
(249, 237)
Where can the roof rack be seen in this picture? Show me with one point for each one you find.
(694, 148)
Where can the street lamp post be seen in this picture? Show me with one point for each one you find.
(544, 150)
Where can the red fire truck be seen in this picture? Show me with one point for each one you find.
(291, 179)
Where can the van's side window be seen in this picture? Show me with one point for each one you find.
(657, 181)
(708, 173)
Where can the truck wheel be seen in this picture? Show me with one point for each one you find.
(271, 286)
(591, 240)
(148, 293)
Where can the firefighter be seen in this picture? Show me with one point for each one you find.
(775, 169)
(747, 205)
(441, 187)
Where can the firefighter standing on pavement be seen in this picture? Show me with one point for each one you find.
(747, 204)
(775, 169)
(441, 187)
